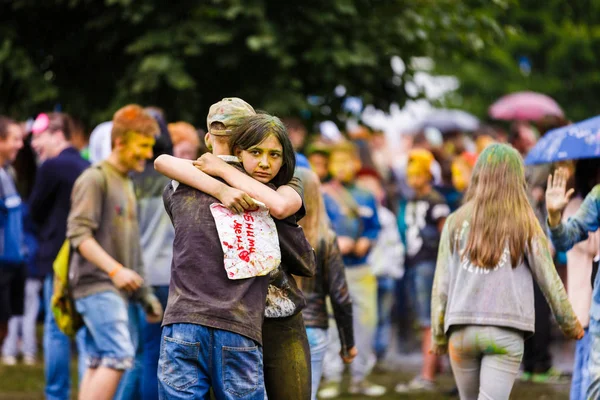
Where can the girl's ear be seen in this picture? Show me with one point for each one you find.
(238, 152)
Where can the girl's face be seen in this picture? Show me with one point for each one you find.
(263, 161)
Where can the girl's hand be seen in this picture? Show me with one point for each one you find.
(578, 333)
(349, 356)
(210, 164)
(236, 200)
(154, 312)
(557, 197)
(438, 350)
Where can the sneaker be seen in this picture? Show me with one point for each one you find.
(551, 376)
(9, 360)
(330, 390)
(29, 360)
(418, 384)
(367, 388)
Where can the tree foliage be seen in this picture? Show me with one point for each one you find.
(550, 48)
(91, 56)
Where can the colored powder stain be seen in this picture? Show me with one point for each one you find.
(493, 348)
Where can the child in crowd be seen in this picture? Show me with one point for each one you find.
(353, 214)
(186, 141)
(386, 260)
(578, 221)
(421, 220)
(329, 282)
(106, 274)
(491, 250)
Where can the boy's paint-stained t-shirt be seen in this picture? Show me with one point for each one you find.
(422, 235)
(103, 207)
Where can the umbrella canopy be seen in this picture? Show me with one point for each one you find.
(572, 142)
(450, 121)
(530, 106)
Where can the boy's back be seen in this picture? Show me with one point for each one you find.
(200, 291)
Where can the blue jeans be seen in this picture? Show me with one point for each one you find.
(581, 374)
(151, 338)
(57, 352)
(385, 303)
(130, 386)
(419, 281)
(317, 339)
(194, 358)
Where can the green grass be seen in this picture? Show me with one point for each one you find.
(27, 383)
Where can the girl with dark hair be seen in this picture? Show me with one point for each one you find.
(264, 135)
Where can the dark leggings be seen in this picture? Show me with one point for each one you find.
(286, 357)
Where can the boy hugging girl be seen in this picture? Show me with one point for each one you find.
(214, 336)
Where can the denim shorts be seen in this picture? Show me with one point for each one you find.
(107, 339)
(419, 283)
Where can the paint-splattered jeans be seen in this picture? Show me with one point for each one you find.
(286, 352)
(485, 361)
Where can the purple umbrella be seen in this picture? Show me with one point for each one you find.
(529, 106)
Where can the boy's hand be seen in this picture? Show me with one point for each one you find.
(127, 279)
(362, 247)
(210, 164)
(236, 200)
(556, 198)
(346, 244)
(154, 312)
(350, 355)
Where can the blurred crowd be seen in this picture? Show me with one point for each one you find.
(386, 205)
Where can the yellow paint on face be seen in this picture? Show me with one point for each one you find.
(135, 150)
(263, 161)
(461, 175)
(343, 166)
(417, 177)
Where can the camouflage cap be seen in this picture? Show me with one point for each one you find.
(230, 112)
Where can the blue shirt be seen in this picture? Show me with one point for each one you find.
(302, 161)
(356, 220)
(576, 229)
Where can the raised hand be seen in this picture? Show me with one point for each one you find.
(557, 196)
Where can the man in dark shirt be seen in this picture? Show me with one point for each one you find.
(50, 203)
(213, 325)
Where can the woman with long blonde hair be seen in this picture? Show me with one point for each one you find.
(329, 280)
(482, 303)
